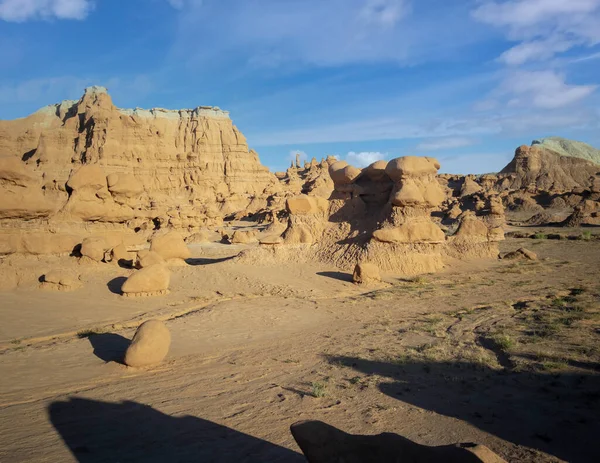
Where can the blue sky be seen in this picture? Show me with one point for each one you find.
(465, 81)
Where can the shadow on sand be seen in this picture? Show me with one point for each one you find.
(205, 261)
(132, 432)
(555, 413)
(347, 277)
(114, 285)
(109, 347)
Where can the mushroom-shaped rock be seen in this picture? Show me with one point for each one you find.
(149, 346)
(146, 258)
(411, 166)
(365, 273)
(343, 174)
(408, 195)
(148, 281)
(170, 246)
(94, 248)
(376, 171)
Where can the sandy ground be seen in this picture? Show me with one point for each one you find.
(438, 359)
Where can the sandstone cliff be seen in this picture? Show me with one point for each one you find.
(89, 161)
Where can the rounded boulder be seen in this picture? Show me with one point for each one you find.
(148, 281)
(149, 346)
(170, 246)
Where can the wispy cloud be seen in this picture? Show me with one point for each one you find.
(543, 89)
(364, 158)
(24, 10)
(445, 143)
(544, 28)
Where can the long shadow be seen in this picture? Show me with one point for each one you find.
(554, 413)
(206, 261)
(128, 432)
(337, 276)
(109, 347)
(114, 285)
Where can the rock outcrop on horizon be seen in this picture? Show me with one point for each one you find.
(88, 161)
(540, 186)
(392, 215)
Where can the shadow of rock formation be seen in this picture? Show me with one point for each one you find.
(206, 261)
(322, 443)
(114, 285)
(109, 347)
(128, 432)
(347, 277)
(554, 413)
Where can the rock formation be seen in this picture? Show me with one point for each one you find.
(366, 274)
(60, 280)
(88, 166)
(388, 215)
(148, 281)
(170, 246)
(149, 346)
(541, 169)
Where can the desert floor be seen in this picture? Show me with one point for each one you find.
(503, 353)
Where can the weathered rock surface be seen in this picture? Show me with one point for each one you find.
(365, 273)
(170, 246)
(148, 281)
(60, 280)
(89, 162)
(149, 346)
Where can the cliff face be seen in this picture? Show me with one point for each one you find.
(89, 161)
(543, 169)
(197, 153)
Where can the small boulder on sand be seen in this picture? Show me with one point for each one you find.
(366, 274)
(149, 281)
(120, 255)
(170, 246)
(521, 253)
(243, 237)
(146, 258)
(94, 248)
(60, 280)
(150, 345)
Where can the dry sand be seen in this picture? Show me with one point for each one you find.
(483, 352)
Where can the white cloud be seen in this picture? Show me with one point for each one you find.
(293, 34)
(545, 28)
(364, 158)
(537, 50)
(444, 143)
(298, 154)
(542, 89)
(23, 10)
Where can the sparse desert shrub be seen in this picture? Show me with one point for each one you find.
(540, 236)
(317, 389)
(586, 235)
(504, 341)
